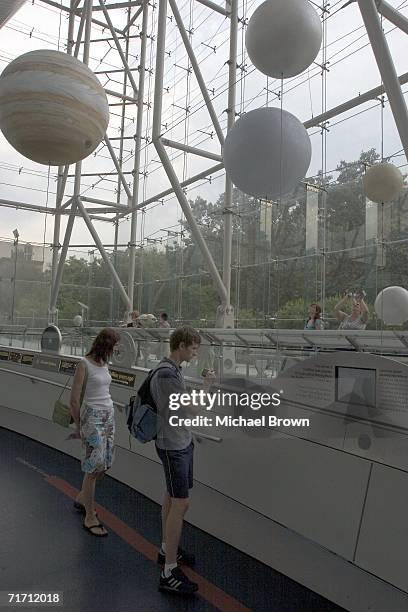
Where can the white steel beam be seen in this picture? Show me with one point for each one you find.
(116, 94)
(104, 254)
(136, 163)
(118, 46)
(227, 209)
(178, 190)
(197, 71)
(117, 166)
(77, 12)
(372, 94)
(133, 19)
(104, 203)
(120, 5)
(8, 8)
(214, 7)
(57, 274)
(163, 194)
(390, 13)
(386, 67)
(182, 147)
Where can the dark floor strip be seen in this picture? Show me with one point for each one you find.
(43, 546)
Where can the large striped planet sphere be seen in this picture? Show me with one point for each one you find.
(53, 109)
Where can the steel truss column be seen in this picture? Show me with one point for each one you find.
(103, 253)
(138, 146)
(62, 175)
(118, 46)
(118, 167)
(386, 67)
(157, 114)
(77, 185)
(227, 250)
(62, 179)
(118, 164)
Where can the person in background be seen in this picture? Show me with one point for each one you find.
(359, 312)
(134, 316)
(164, 320)
(95, 423)
(125, 320)
(315, 318)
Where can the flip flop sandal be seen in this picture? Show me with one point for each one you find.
(81, 508)
(97, 525)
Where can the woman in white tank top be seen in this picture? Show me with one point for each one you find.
(95, 422)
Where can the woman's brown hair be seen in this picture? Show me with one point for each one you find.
(318, 311)
(102, 347)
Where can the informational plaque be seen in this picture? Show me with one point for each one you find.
(126, 379)
(68, 366)
(46, 362)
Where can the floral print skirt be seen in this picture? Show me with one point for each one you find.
(97, 433)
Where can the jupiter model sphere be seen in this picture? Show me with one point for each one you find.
(53, 110)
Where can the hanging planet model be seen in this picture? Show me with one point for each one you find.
(53, 109)
(382, 183)
(267, 153)
(391, 305)
(283, 37)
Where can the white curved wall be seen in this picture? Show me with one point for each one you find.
(305, 519)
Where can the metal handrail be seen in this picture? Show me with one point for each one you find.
(47, 382)
(199, 434)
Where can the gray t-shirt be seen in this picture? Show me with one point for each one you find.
(167, 380)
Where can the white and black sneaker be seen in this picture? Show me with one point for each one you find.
(183, 558)
(177, 582)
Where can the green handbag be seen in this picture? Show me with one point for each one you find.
(62, 412)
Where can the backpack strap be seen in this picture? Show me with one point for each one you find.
(161, 366)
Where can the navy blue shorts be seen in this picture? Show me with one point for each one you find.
(178, 470)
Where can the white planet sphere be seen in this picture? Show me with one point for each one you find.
(382, 183)
(78, 320)
(53, 109)
(283, 37)
(267, 153)
(391, 305)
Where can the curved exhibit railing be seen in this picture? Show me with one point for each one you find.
(320, 491)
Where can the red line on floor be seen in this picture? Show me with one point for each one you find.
(214, 595)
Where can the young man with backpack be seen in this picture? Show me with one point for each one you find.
(175, 448)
